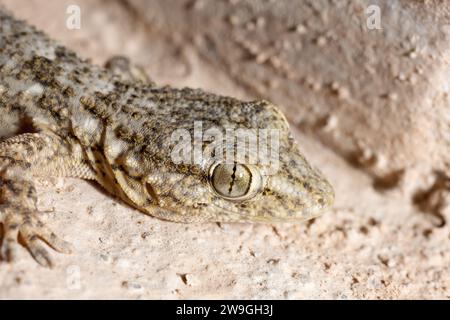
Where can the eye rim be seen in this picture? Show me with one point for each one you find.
(255, 187)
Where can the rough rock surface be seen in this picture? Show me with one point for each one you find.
(370, 108)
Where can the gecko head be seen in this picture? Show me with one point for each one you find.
(240, 191)
(284, 189)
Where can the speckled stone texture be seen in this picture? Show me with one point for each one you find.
(370, 108)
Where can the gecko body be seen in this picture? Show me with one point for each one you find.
(61, 116)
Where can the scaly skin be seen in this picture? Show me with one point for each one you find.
(62, 116)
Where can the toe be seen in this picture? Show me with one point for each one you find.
(58, 244)
(38, 252)
(8, 249)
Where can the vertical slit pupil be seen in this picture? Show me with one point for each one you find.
(233, 177)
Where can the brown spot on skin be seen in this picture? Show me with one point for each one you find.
(31, 192)
(12, 187)
(44, 71)
(69, 92)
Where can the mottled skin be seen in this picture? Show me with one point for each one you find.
(62, 116)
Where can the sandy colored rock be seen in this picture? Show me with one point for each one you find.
(352, 96)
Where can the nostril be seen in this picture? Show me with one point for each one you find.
(321, 201)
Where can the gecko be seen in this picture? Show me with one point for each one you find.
(62, 116)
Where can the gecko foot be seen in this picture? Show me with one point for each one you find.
(21, 224)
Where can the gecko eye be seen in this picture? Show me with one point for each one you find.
(235, 181)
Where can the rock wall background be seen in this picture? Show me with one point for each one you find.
(369, 107)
